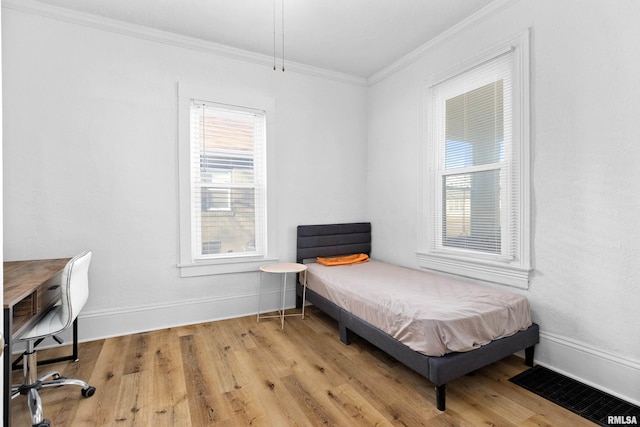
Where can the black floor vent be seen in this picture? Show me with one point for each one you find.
(586, 401)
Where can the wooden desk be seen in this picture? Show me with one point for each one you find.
(31, 289)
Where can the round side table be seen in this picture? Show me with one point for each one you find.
(284, 268)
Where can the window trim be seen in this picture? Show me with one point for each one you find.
(498, 269)
(188, 266)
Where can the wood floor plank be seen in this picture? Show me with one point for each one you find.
(237, 333)
(359, 410)
(304, 358)
(137, 397)
(510, 412)
(219, 348)
(205, 404)
(129, 408)
(243, 372)
(278, 406)
(313, 409)
(451, 418)
(168, 392)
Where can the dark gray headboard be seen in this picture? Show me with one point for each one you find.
(333, 240)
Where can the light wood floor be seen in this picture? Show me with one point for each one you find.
(239, 372)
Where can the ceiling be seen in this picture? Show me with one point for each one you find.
(355, 37)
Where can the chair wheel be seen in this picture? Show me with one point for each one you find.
(88, 392)
(43, 423)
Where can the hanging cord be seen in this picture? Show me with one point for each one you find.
(274, 35)
(203, 144)
(283, 35)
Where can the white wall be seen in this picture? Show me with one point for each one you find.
(585, 179)
(91, 162)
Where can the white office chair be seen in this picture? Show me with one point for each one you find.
(75, 291)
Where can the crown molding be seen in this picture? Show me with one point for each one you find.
(490, 10)
(168, 38)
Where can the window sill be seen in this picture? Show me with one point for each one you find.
(226, 266)
(496, 272)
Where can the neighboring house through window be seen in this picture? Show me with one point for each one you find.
(475, 169)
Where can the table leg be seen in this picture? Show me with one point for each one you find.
(74, 356)
(284, 294)
(259, 292)
(304, 291)
(6, 386)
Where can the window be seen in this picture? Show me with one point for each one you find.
(227, 179)
(475, 169)
(223, 182)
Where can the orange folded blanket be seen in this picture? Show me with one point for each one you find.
(343, 260)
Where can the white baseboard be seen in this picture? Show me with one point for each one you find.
(131, 320)
(101, 324)
(611, 373)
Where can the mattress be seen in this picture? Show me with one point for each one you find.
(430, 313)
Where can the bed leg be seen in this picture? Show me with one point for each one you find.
(298, 289)
(528, 355)
(441, 396)
(344, 333)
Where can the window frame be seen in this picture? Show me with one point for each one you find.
(188, 263)
(514, 268)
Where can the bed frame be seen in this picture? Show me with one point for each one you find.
(344, 239)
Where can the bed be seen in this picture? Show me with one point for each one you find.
(443, 364)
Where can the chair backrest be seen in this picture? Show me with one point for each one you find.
(75, 286)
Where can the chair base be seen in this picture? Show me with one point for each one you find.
(31, 390)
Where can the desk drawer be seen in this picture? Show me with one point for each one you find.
(26, 307)
(44, 297)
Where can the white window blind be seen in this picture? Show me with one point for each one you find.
(227, 146)
(473, 144)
